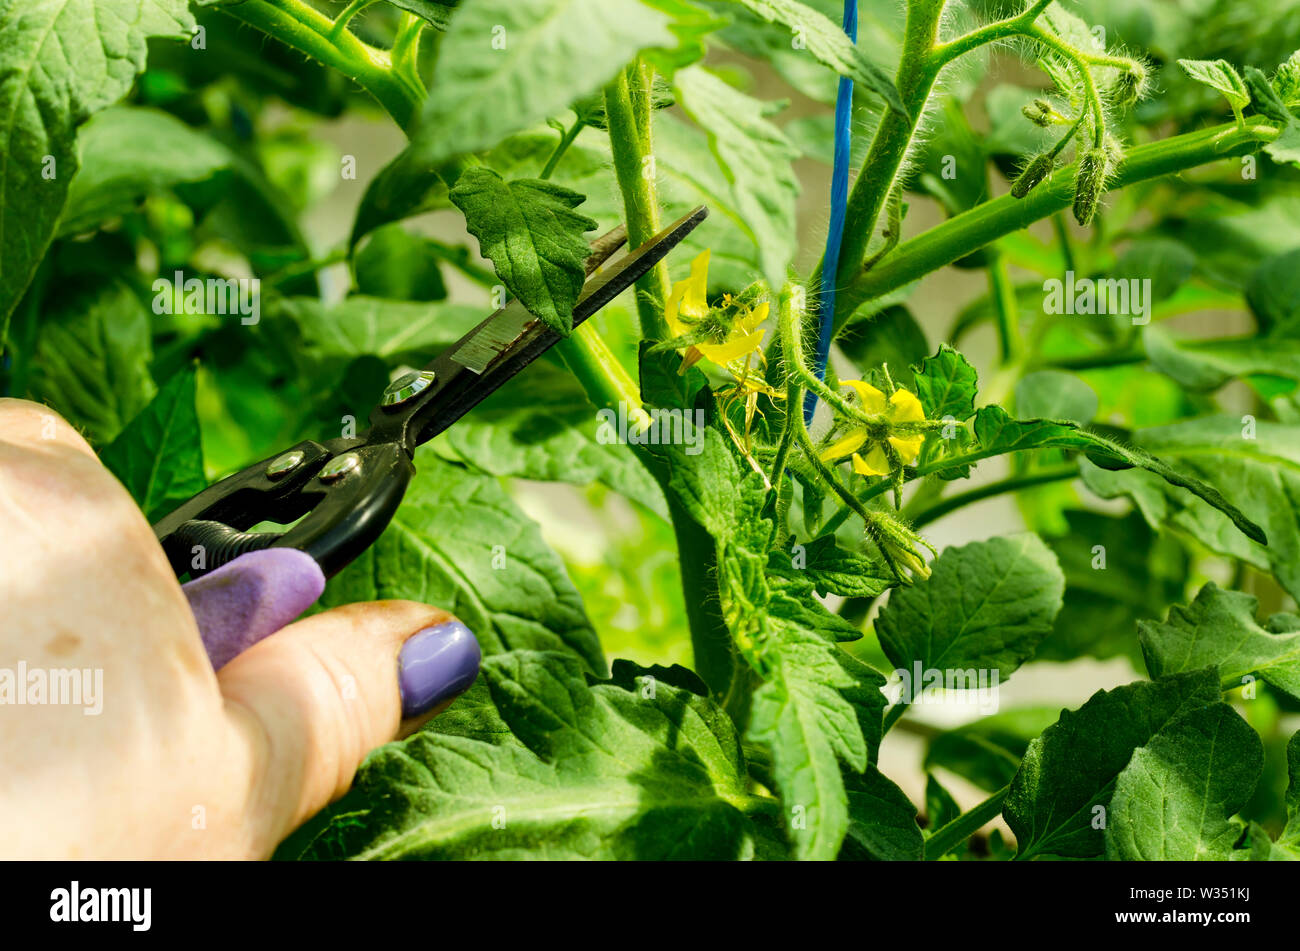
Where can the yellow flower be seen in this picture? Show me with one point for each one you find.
(688, 315)
(902, 407)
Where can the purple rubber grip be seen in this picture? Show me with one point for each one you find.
(252, 597)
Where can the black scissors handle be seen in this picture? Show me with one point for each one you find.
(340, 494)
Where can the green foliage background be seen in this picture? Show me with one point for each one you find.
(749, 720)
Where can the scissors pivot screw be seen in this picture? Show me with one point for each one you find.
(282, 465)
(406, 386)
(340, 466)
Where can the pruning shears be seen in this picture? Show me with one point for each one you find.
(338, 495)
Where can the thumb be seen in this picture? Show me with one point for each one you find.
(314, 698)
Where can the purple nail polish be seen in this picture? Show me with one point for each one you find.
(435, 665)
(252, 597)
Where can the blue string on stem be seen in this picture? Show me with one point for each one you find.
(839, 199)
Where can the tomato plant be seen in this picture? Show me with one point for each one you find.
(1097, 201)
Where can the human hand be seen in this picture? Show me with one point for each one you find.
(162, 757)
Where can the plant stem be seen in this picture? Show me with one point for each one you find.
(933, 513)
(968, 232)
(309, 31)
(606, 383)
(895, 714)
(917, 73)
(627, 100)
(991, 32)
(405, 53)
(1095, 361)
(964, 826)
(561, 147)
(345, 16)
(1006, 308)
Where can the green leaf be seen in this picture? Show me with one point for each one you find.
(829, 44)
(407, 185)
(1176, 797)
(554, 769)
(755, 157)
(91, 361)
(542, 426)
(801, 714)
(1287, 846)
(1054, 394)
(890, 338)
(987, 750)
(882, 820)
(1166, 263)
(533, 236)
(129, 153)
(830, 569)
(1062, 790)
(1220, 75)
(946, 384)
(458, 541)
(1267, 101)
(61, 61)
(437, 13)
(1209, 364)
(398, 265)
(1273, 293)
(940, 807)
(1286, 147)
(1257, 464)
(1219, 630)
(396, 331)
(1117, 572)
(159, 455)
(997, 433)
(1287, 81)
(985, 606)
(531, 59)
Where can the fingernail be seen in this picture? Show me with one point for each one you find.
(436, 664)
(253, 596)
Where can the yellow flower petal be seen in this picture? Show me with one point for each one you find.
(908, 447)
(689, 297)
(873, 401)
(695, 304)
(675, 326)
(843, 446)
(905, 407)
(875, 464)
(756, 317)
(724, 353)
(877, 460)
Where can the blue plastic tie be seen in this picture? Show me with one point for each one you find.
(839, 201)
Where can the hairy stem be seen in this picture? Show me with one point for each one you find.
(307, 30)
(936, 511)
(561, 147)
(917, 73)
(974, 229)
(627, 114)
(964, 826)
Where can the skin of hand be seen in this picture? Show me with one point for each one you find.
(181, 761)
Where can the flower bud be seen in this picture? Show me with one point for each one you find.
(1039, 112)
(1034, 173)
(1130, 85)
(1090, 184)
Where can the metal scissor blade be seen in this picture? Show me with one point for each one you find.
(506, 330)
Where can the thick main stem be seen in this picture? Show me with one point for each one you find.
(627, 114)
(311, 32)
(968, 232)
(917, 73)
